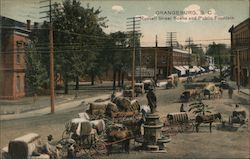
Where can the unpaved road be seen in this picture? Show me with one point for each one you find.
(218, 144)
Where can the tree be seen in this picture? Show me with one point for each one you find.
(196, 49)
(220, 53)
(36, 75)
(77, 29)
(118, 55)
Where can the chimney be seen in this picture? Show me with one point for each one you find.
(35, 25)
(28, 24)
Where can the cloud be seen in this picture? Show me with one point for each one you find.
(194, 12)
(142, 16)
(117, 8)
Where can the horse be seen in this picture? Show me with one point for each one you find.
(206, 119)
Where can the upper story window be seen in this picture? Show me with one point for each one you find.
(163, 59)
(19, 45)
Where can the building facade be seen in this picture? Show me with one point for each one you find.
(240, 53)
(166, 59)
(14, 37)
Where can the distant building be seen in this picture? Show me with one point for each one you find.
(167, 60)
(14, 36)
(209, 61)
(240, 53)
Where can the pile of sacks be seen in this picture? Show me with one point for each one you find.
(118, 104)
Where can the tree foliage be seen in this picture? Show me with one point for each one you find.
(219, 51)
(77, 32)
(35, 73)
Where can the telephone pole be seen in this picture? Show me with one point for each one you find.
(218, 50)
(51, 48)
(238, 70)
(133, 23)
(170, 42)
(155, 70)
(189, 40)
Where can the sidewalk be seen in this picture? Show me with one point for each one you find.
(63, 106)
(243, 94)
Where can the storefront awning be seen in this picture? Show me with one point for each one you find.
(211, 68)
(202, 69)
(197, 69)
(183, 71)
(192, 70)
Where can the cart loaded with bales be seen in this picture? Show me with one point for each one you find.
(177, 122)
(102, 128)
(107, 126)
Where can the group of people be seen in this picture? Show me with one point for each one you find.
(48, 148)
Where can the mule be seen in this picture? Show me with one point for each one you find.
(206, 119)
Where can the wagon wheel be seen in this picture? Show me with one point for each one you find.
(100, 147)
(65, 142)
(65, 135)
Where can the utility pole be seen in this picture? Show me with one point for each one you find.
(238, 70)
(134, 23)
(155, 70)
(218, 49)
(51, 46)
(189, 53)
(140, 61)
(170, 42)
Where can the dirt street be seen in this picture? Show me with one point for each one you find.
(218, 144)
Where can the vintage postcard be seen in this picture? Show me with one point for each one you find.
(129, 79)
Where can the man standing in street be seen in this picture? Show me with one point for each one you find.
(151, 100)
(230, 92)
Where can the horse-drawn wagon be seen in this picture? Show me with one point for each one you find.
(189, 94)
(237, 116)
(211, 90)
(87, 138)
(177, 122)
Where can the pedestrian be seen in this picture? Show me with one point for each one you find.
(236, 107)
(152, 100)
(230, 92)
(113, 96)
(182, 108)
(221, 92)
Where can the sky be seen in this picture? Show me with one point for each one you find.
(204, 21)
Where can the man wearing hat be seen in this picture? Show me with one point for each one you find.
(51, 149)
(151, 100)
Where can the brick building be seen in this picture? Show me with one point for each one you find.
(14, 36)
(240, 53)
(167, 60)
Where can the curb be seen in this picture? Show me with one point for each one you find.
(245, 93)
(46, 110)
